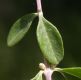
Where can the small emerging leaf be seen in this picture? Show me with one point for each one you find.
(76, 71)
(38, 76)
(50, 41)
(20, 28)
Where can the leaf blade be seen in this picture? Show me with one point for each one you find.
(75, 71)
(20, 28)
(38, 76)
(50, 41)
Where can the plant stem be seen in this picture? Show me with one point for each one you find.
(39, 6)
(48, 74)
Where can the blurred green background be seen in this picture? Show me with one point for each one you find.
(21, 61)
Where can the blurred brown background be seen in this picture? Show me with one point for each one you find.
(21, 61)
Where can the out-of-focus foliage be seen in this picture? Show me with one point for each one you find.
(57, 76)
(75, 71)
(21, 61)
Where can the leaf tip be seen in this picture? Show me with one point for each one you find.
(9, 44)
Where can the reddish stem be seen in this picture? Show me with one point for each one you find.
(48, 74)
(39, 5)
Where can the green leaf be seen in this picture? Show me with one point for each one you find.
(38, 76)
(76, 71)
(50, 41)
(20, 28)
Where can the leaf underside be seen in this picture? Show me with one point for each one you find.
(38, 76)
(20, 28)
(50, 41)
(75, 71)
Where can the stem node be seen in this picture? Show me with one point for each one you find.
(48, 74)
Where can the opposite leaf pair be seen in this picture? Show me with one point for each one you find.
(48, 36)
(76, 71)
(49, 40)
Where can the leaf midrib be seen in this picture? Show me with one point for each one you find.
(50, 42)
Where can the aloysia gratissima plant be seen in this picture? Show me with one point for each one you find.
(49, 40)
